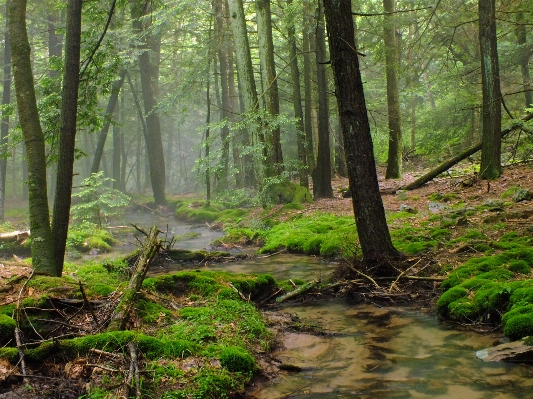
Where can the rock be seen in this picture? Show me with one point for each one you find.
(492, 218)
(436, 207)
(461, 221)
(521, 194)
(511, 352)
(402, 195)
(494, 204)
(407, 208)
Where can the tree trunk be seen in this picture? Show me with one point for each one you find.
(521, 37)
(394, 161)
(102, 137)
(42, 244)
(374, 237)
(274, 160)
(149, 77)
(490, 80)
(297, 102)
(67, 132)
(4, 130)
(117, 151)
(308, 92)
(322, 173)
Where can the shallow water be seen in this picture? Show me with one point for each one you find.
(389, 353)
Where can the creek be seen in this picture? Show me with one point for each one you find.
(371, 352)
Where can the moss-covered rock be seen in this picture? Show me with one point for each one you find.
(7, 329)
(519, 326)
(237, 359)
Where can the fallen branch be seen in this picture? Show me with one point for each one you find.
(364, 275)
(443, 167)
(241, 295)
(298, 291)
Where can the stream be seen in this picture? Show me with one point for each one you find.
(368, 351)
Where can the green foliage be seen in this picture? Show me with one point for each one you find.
(151, 312)
(519, 326)
(452, 295)
(98, 201)
(88, 236)
(237, 359)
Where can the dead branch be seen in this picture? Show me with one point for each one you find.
(298, 291)
(241, 295)
(364, 275)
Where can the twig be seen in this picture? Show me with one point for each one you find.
(88, 305)
(106, 368)
(402, 273)
(271, 296)
(364, 275)
(21, 353)
(240, 293)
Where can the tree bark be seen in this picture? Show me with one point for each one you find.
(308, 91)
(297, 102)
(490, 81)
(374, 237)
(42, 245)
(149, 77)
(4, 129)
(67, 132)
(274, 160)
(322, 173)
(521, 37)
(394, 161)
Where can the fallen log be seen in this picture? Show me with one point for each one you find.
(443, 167)
(14, 236)
(150, 249)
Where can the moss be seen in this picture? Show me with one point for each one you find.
(151, 312)
(293, 206)
(519, 266)
(452, 295)
(237, 359)
(509, 192)
(440, 234)
(519, 326)
(312, 246)
(519, 310)
(7, 328)
(463, 309)
(8, 310)
(10, 354)
(415, 247)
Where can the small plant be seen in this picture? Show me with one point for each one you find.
(99, 202)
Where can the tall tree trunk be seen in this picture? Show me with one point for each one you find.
(308, 90)
(490, 80)
(225, 113)
(376, 243)
(297, 102)
(521, 36)
(247, 88)
(102, 137)
(4, 129)
(67, 132)
(42, 244)
(274, 160)
(117, 151)
(149, 77)
(322, 173)
(394, 161)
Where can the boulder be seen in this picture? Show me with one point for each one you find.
(512, 352)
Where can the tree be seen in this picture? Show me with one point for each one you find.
(67, 133)
(42, 248)
(524, 52)
(4, 129)
(490, 81)
(274, 160)
(322, 173)
(394, 161)
(374, 236)
(149, 80)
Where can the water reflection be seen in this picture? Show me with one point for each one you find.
(389, 353)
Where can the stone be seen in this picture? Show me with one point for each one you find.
(494, 204)
(521, 194)
(511, 352)
(436, 207)
(407, 208)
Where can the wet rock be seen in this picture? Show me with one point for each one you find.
(521, 194)
(407, 208)
(437, 207)
(511, 352)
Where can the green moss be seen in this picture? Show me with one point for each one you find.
(463, 309)
(448, 297)
(509, 192)
(440, 234)
(519, 326)
(515, 311)
(237, 359)
(7, 329)
(520, 266)
(10, 354)
(293, 206)
(312, 246)
(415, 247)
(151, 312)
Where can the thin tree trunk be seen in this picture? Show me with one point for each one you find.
(102, 137)
(297, 103)
(42, 243)
(4, 130)
(490, 81)
(308, 92)
(274, 159)
(322, 173)
(374, 237)
(394, 161)
(67, 133)
(521, 37)
(117, 151)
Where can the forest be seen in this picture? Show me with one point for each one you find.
(196, 195)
